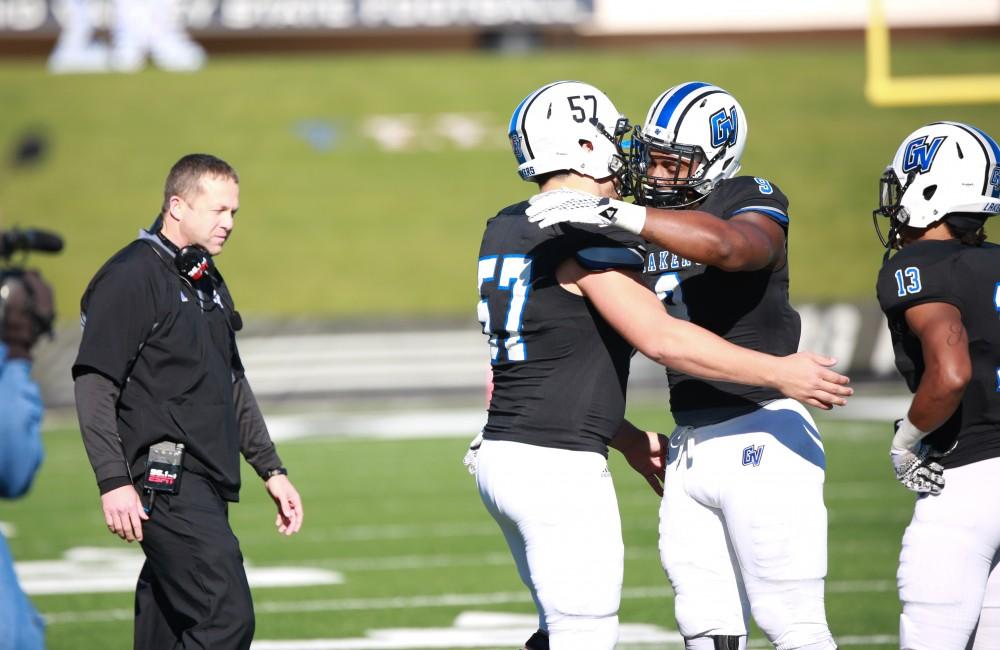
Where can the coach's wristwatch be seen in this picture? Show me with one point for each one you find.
(275, 472)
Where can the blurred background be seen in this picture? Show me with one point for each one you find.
(370, 138)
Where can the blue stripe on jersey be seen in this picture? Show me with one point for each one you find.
(665, 114)
(996, 155)
(777, 215)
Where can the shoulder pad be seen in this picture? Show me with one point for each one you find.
(606, 258)
(915, 275)
(754, 194)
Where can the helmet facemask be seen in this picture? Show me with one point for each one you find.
(692, 139)
(890, 198)
(617, 165)
(679, 186)
(940, 170)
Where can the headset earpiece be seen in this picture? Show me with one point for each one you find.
(192, 262)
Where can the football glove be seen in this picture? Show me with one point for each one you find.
(917, 467)
(471, 456)
(563, 205)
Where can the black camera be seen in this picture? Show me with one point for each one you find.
(12, 241)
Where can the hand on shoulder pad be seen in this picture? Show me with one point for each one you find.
(564, 205)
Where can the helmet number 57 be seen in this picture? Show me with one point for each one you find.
(579, 111)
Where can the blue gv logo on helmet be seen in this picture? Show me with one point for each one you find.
(919, 154)
(724, 127)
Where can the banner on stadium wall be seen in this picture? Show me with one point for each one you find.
(738, 16)
(224, 16)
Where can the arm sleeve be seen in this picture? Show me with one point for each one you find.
(255, 441)
(96, 396)
(20, 426)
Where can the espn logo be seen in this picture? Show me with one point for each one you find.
(161, 476)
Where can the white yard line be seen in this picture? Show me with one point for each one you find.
(432, 600)
(460, 423)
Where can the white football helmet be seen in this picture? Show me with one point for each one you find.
(940, 169)
(703, 129)
(548, 126)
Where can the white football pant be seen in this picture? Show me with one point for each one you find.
(948, 582)
(558, 511)
(743, 527)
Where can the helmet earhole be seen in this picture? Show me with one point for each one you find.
(929, 192)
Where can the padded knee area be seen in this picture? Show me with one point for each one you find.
(792, 614)
(941, 577)
(583, 633)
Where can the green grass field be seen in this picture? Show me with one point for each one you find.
(333, 233)
(403, 523)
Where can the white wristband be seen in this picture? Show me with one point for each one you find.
(626, 216)
(907, 435)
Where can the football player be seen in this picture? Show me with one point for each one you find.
(563, 309)
(941, 295)
(742, 521)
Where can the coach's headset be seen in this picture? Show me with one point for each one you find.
(194, 263)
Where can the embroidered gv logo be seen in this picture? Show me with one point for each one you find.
(752, 455)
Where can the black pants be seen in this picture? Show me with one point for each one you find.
(192, 591)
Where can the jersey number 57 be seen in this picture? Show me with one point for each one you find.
(512, 287)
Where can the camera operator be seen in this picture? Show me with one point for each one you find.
(165, 411)
(25, 313)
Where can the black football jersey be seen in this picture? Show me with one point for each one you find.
(749, 309)
(559, 369)
(967, 277)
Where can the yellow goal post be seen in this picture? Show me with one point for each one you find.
(882, 89)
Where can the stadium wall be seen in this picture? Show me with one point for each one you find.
(29, 27)
(296, 360)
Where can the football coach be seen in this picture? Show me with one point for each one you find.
(165, 412)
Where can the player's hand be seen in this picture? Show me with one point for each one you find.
(916, 471)
(123, 513)
(564, 205)
(808, 378)
(646, 453)
(286, 497)
(472, 455)
(917, 468)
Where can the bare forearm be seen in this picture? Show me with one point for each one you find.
(698, 352)
(703, 237)
(626, 436)
(945, 346)
(935, 401)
